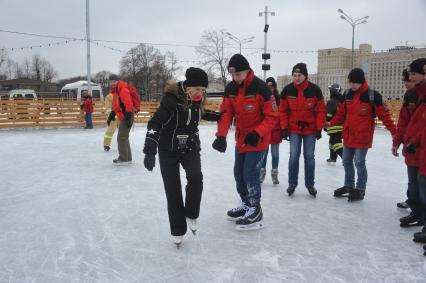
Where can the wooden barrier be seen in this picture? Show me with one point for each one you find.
(66, 113)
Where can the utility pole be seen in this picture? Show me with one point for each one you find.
(89, 85)
(265, 55)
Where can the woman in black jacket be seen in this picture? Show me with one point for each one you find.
(174, 131)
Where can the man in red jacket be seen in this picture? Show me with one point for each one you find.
(408, 127)
(88, 110)
(357, 113)
(122, 108)
(248, 99)
(407, 110)
(302, 117)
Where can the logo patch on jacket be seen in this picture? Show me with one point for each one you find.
(310, 105)
(250, 107)
(363, 110)
(274, 106)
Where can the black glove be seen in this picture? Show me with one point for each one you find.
(411, 148)
(151, 142)
(285, 135)
(252, 138)
(212, 116)
(149, 161)
(111, 117)
(318, 134)
(128, 118)
(219, 144)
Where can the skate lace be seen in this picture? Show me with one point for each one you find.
(249, 211)
(242, 206)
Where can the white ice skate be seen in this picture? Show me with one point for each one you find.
(193, 225)
(177, 240)
(262, 175)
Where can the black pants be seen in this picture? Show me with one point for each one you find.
(335, 144)
(177, 209)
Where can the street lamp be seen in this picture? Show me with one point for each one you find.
(353, 23)
(238, 40)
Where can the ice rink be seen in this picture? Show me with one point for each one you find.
(68, 215)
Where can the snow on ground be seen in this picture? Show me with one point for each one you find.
(68, 215)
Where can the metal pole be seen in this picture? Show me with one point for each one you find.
(266, 39)
(88, 47)
(240, 46)
(353, 39)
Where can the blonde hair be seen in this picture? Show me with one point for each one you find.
(190, 89)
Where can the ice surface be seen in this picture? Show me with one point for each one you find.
(68, 215)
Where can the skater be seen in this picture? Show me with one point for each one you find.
(407, 110)
(88, 110)
(276, 138)
(248, 99)
(335, 133)
(173, 130)
(112, 125)
(407, 129)
(302, 117)
(123, 110)
(357, 113)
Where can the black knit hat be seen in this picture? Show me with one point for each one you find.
(238, 63)
(113, 77)
(300, 68)
(271, 80)
(405, 75)
(356, 75)
(417, 66)
(196, 77)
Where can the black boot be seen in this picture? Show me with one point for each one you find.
(312, 191)
(291, 189)
(420, 237)
(343, 191)
(411, 220)
(356, 194)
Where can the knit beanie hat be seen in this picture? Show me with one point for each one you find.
(238, 63)
(417, 66)
(271, 80)
(356, 75)
(196, 77)
(300, 68)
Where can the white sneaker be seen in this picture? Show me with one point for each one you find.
(119, 162)
(177, 240)
(193, 225)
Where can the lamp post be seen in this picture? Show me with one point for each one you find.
(353, 23)
(238, 40)
(89, 85)
(266, 56)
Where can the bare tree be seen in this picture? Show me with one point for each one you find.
(36, 66)
(102, 78)
(48, 71)
(10, 65)
(26, 68)
(19, 73)
(3, 56)
(211, 52)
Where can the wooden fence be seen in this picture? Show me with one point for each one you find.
(65, 113)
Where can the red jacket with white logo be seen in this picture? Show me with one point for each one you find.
(356, 114)
(302, 108)
(254, 110)
(276, 132)
(412, 100)
(122, 101)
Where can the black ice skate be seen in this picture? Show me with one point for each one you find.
(420, 237)
(238, 212)
(119, 162)
(411, 220)
(252, 220)
(106, 147)
(424, 248)
(291, 189)
(274, 176)
(343, 191)
(193, 225)
(331, 161)
(355, 195)
(402, 204)
(312, 191)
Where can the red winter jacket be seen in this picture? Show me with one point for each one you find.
(88, 105)
(412, 99)
(276, 132)
(253, 109)
(415, 134)
(135, 98)
(122, 101)
(356, 114)
(302, 108)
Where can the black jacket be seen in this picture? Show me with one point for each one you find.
(174, 126)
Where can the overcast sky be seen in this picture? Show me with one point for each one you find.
(298, 25)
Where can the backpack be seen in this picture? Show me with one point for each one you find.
(136, 100)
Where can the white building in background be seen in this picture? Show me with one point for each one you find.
(383, 69)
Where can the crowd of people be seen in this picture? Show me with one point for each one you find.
(264, 117)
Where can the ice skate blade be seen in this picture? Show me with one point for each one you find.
(408, 225)
(194, 232)
(253, 226)
(178, 245)
(232, 218)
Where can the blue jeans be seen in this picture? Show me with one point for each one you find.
(357, 156)
(88, 118)
(309, 156)
(275, 152)
(413, 200)
(422, 193)
(246, 173)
